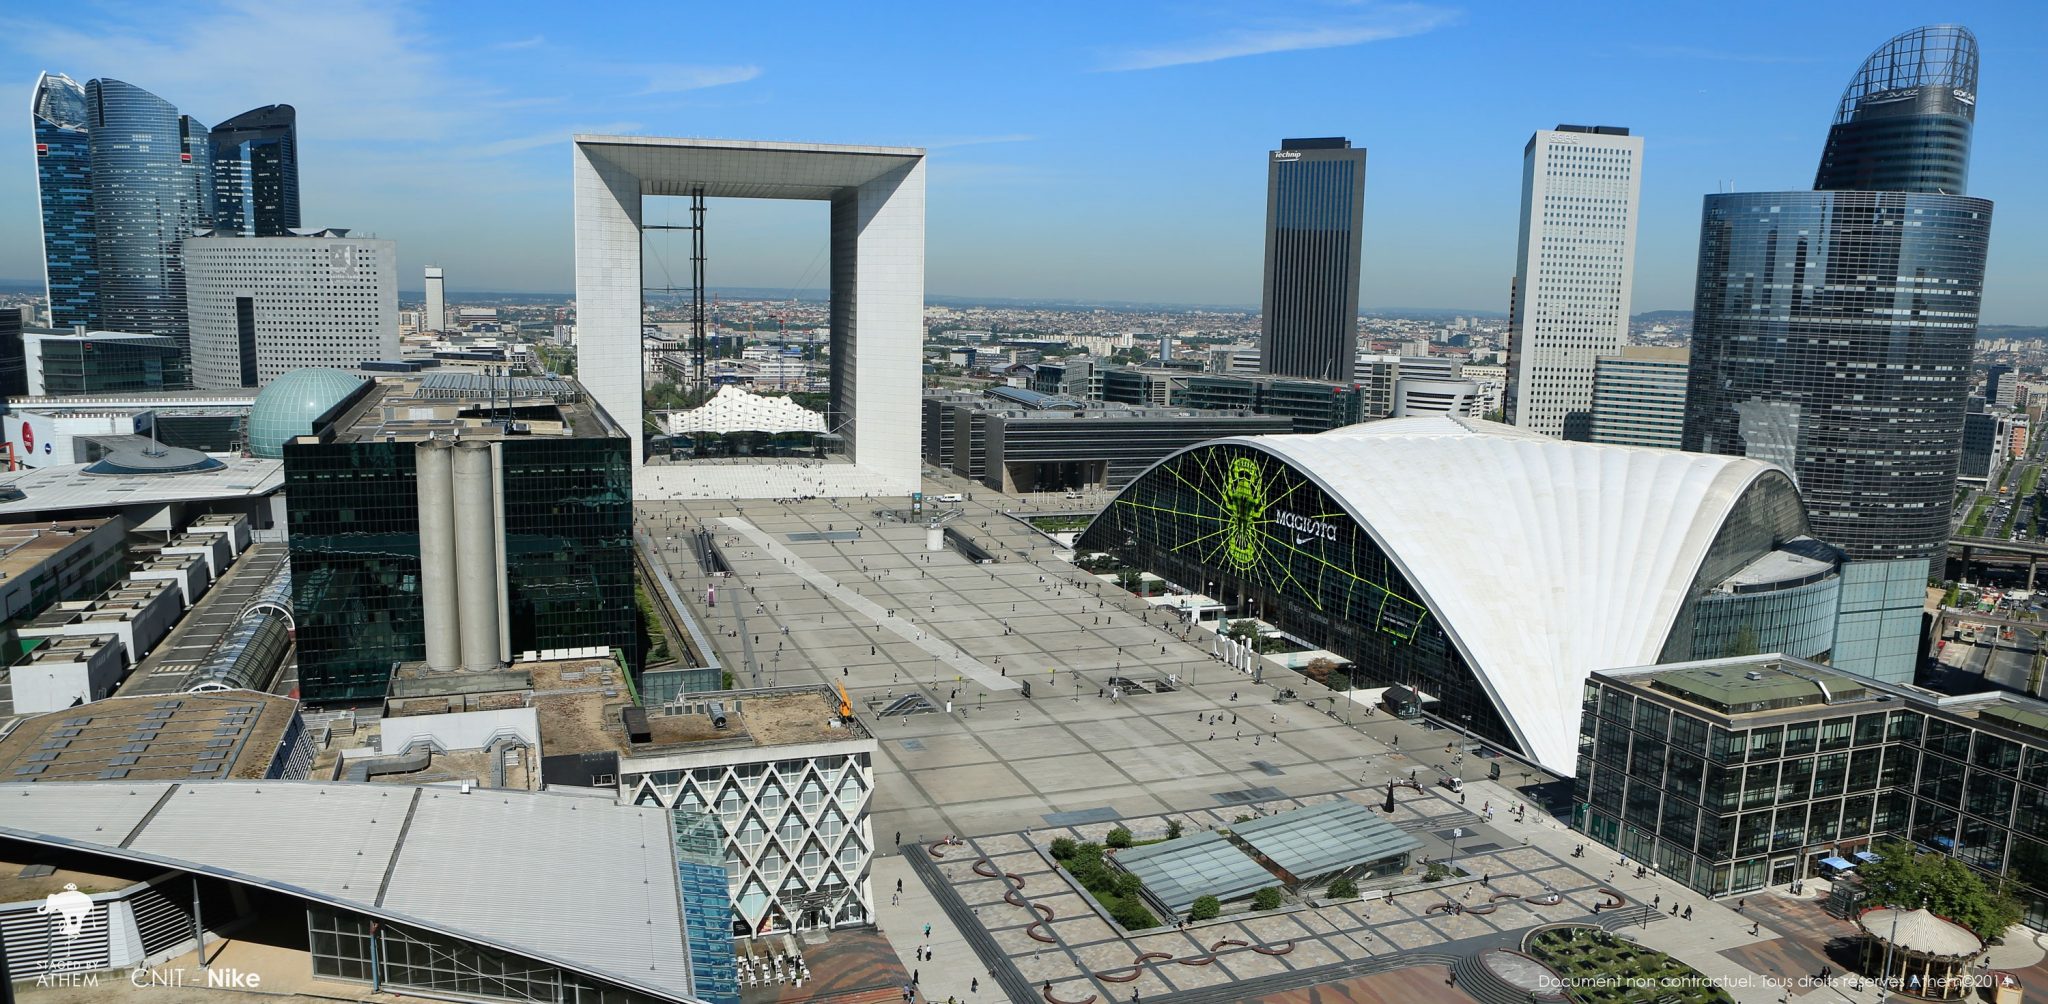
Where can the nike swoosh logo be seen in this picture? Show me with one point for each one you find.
(1298, 541)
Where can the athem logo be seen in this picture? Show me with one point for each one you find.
(73, 906)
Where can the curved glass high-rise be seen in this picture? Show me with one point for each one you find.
(63, 141)
(1833, 329)
(150, 179)
(1904, 122)
(256, 173)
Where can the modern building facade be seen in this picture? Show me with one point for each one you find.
(1904, 123)
(63, 143)
(1734, 774)
(263, 306)
(256, 173)
(877, 311)
(1489, 567)
(442, 519)
(436, 318)
(151, 189)
(1639, 397)
(1832, 334)
(1315, 206)
(1312, 405)
(13, 356)
(101, 362)
(1574, 270)
(1418, 396)
(1022, 441)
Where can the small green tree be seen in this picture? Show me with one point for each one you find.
(1119, 837)
(1267, 898)
(1173, 829)
(1133, 915)
(1343, 888)
(1907, 880)
(1130, 579)
(1062, 847)
(1205, 908)
(1243, 629)
(1129, 885)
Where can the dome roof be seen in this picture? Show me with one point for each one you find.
(1920, 931)
(290, 404)
(153, 459)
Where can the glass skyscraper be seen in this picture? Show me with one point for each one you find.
(256, 173)
(151, 177)
(63, 141)
(1315, 201)
(1832, 333)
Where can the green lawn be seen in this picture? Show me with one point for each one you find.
(1600, 968)
(1974, 525)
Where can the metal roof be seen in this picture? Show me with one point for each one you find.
(1320, 839)
(1177, 872)
(66, 486)
(585, 884)
(1569, 557)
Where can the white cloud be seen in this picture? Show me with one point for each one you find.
(540, 139)
(673, 78)
(523, 43)
(1371, 24)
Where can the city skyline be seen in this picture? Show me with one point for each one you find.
(1123, 166)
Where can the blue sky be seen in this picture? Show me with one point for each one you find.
(1110, 151)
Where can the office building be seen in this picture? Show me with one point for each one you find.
(876, 265)
(1418, 396)
(262, 306)
(1315, 202)
(1312, 405)
(435, 891)
(1574, 268)
(1639, 397)
(1141, 385)
(100, 362)
(436, 318)
(455, 519)
(13, 357)
(1492, 379)
(52, 562)
(1425, 552)
(1016, 440)
(1981, 454)
(1904, 122)
(789, 776)
(1734, 774)
(155, 738)
(256, 173)
(63, 138)
(1832, 334)
(151, 189)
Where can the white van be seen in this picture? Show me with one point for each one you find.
(952, 497)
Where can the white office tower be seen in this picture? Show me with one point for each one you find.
(1574, 265)
(437, 301)
(262, 306)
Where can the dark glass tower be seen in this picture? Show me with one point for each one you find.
(1832, 334)
(151, 175)
(1904, 123)
(256, 173)
(1315, 200)
(64, 188)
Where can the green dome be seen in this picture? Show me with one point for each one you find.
(289, 405)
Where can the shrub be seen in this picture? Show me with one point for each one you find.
(1133, 915)
(1205, 908)
(1063, 848)
(1437, 872)
(1119, 837)
(1173, 829)
(1267, 898)
(1343, 888)
(1129, 885)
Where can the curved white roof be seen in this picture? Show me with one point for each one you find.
(735, 410)
(1544, 560)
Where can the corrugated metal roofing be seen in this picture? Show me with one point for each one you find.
(582, 883)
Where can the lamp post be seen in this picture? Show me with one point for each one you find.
(1455, 834)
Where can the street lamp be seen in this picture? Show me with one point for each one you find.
(1455, 834)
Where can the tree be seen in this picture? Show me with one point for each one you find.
(1133, 915)
(1173, 829)
(1129, 885)
(1343, 888)
(1130, 579)
(1244, 629)
(1119, 837)
(1267, 898)
(1063, 848)
(1907, 880)
(1319, 669)
(1205, 908)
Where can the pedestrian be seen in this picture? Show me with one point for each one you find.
(913, 978)
(1688, 913)
(974, 985)
(927, 932)
(1754, 925)
(899, 882)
